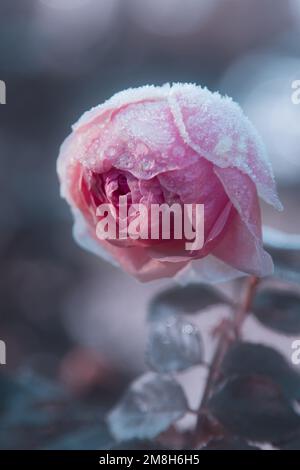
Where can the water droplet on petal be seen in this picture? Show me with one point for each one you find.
(147, 164)
(111, 151)
(125, 161)
(141, 149)
(178, 151)
(187, 329)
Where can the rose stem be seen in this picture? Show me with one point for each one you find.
(241, 314)
(225, 341)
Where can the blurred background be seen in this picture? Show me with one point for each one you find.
(60, 316)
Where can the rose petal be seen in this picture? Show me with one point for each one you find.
(209, 270)
(242, 193)
(217, 129)
(242, 250)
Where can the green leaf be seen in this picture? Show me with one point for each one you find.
(188, 299)
(173, 345)
(278, 310)
(150, 405)
(254, 407)
(254, 358)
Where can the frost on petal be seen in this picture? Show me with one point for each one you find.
(242, 193)
(144, 140)
(139, 136)
(171, 144)
(121, 99)
(83, 147)
(216, 128)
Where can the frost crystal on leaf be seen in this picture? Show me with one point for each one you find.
(150, 405)
(174, 345)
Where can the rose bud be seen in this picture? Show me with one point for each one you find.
(178, 144)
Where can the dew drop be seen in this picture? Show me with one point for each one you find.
(178, 151)
(111, 151)
(147, 164)
(141, 149)
(187, 329)
(125, 162)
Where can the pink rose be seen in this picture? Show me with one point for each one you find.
(182, 144)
